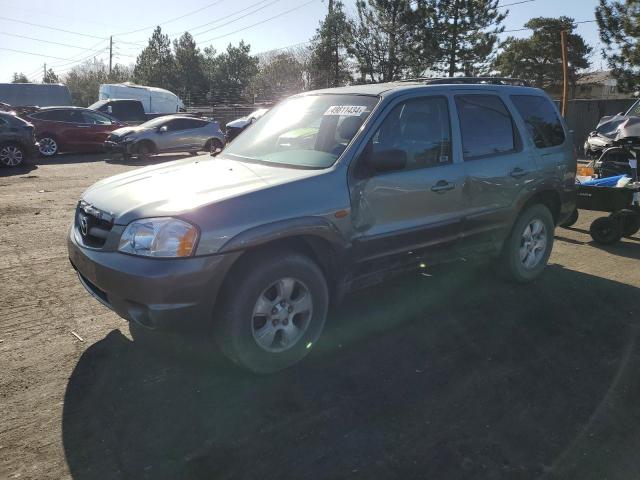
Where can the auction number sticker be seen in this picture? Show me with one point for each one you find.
(346, 110)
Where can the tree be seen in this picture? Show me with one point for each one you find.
(328, 50)
(280, 75)
(230, 73)
(468, 30)
(387, 39)
(539, 57)
(84, 80)
(19, 78)
(50, 77)
(155, 66)
(619, 25)
(190, 77)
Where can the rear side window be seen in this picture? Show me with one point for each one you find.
(486, 126)
(541, 118)
(52, 115)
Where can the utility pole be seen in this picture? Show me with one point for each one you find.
(110, 53)
(565, 73)
(44, 72)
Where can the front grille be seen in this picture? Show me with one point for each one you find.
(94, 225)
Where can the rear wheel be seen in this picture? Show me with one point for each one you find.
(273, 311)
(12, 155)
(48, 145)
(528, 247)
(628, 220)
(605, 231)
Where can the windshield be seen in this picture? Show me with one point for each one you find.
(310, 131)
(97, 105)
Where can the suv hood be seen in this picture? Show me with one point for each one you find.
(179, 187)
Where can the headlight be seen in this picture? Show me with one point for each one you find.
(159, 237)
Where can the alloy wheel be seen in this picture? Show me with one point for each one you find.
(11, 156)
(47, 146)
(281, 315)
(533, 244)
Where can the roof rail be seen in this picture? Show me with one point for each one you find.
(469, 81)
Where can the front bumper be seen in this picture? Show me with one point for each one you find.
(165, 294)
(115, 147)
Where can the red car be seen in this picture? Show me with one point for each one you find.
(71, 129)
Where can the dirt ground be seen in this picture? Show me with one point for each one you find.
(449, 375)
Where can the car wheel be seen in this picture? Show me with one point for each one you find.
(12, 155)
(573, 218)
(629, 222)
(144, 151)
(48, 146)
(605, 231)
(273, 310)
(214, 146)
(528, 247)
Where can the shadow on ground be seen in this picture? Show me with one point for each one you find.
(21, 170)
(457, 375)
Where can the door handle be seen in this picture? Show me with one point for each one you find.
(518, 172)
(443, 186)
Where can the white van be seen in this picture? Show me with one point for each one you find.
(154, 100)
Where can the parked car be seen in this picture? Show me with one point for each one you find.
(236, 127)
(171, 133)
(257, 241)
(71, 129)
(17, 140)
(129, 112)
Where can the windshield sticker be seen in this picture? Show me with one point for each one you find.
(346, 110)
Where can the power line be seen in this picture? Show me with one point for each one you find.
(31, 53)
(173, 19)
(236, 19)
(43, 41)
(545, 26)
(261, 22)
(515, 3)
(51, 28)
(220, 19)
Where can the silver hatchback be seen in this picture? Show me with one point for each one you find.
(167, 134)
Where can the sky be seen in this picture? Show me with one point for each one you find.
(80, 29)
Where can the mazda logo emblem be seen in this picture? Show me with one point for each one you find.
(84, 226)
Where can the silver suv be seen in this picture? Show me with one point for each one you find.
(330, 191)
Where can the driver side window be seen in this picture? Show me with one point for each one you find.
(420, 127)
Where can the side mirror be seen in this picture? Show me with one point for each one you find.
(110, 110)
(387, 160)
(163, 129)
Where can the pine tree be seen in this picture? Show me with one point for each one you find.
(388, 40)
(50, 77)
(468, 30)
(230, 73)
(328, 52)
(155, 66)
(190, 78)
(619, 25)
(539, 57)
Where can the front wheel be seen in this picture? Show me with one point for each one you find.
(273, 310)
(528, 247)
(144, 151)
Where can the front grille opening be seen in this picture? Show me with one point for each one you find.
(101, 294)
(93, 228)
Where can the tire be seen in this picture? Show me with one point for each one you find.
(605, 231)
(48, 145)
(253, 328)
(144, 151)
(629, 221)
(193, 154)
(12, 155)
(214, 146)
(527, 249)
(571, 220)
(126, 157)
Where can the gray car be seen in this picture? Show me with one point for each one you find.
(171, 133)
(330, 191)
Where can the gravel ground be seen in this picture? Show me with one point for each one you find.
(453, 374)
